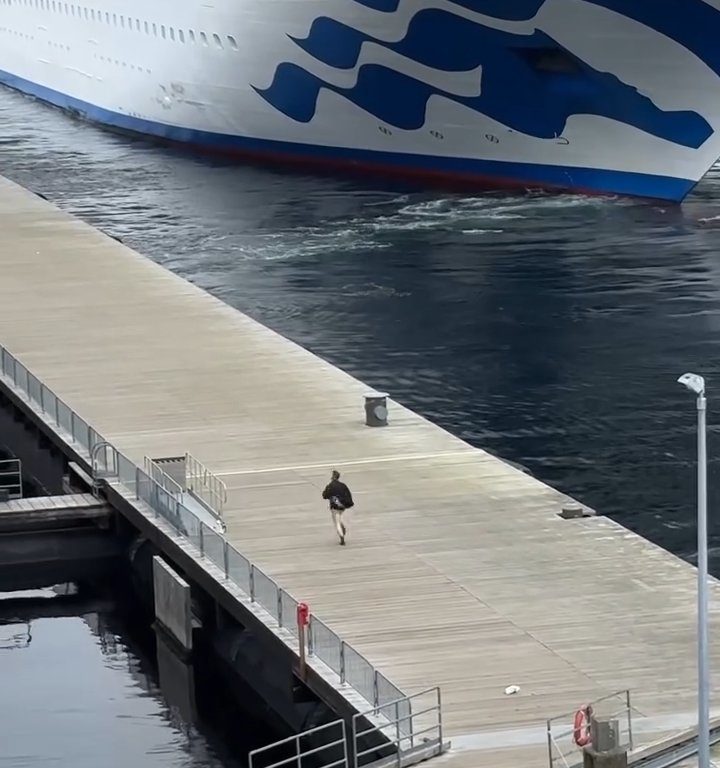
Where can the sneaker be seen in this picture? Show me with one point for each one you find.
(342, 541)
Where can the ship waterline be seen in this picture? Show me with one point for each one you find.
(584, 95)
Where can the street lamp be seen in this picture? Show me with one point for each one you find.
(696, 384)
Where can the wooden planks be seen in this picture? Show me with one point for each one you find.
(71, 501)
(458, 571)
(47, 512)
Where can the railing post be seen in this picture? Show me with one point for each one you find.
(252, 583)
(375, 689)
(629, 717)
(297, 747)
(397, 724)
(310, 643)
(72, 425)
(398, 751)
(354, 741)
(226, 559)
(342, 662)
(549, 741)
(440, 720)
(202, 539)
(279, 607)
(57, 412)
(411, 721)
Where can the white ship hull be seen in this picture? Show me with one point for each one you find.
(608, 96)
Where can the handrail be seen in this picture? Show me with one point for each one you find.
(557, 731)
(296, 759)
(206, 486)
(158, 474)
(351, 667)
(13, 471)
(401, 731)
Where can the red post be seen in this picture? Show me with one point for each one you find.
(303, 618)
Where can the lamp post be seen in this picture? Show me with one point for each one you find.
(696, 384)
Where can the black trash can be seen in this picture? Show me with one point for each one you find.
(376, 414)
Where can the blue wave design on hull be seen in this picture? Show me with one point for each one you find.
(387, 163)
(688, 22)
(515, 90)
(510, 10)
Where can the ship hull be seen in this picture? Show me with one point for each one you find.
(392, 107)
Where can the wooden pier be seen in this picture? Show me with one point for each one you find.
(459, 571)
(45, 513)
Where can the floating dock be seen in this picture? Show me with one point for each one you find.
(47, 513)
(54, 538)
(459, 571)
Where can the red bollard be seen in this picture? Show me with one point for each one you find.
(303, 619)
(303, 615)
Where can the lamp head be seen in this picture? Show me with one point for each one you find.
(694, 382)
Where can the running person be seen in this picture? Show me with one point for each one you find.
(340, 499)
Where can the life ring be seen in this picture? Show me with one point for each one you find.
(581, 726)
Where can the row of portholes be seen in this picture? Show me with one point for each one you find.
(15, 33)
(108, 60)
(125, 22)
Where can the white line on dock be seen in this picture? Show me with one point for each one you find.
(340, 464)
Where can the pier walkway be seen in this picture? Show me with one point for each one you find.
(458, 572)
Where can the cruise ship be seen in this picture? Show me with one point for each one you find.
(594, 96)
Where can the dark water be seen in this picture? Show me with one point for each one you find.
(549, 330)
(81, 688)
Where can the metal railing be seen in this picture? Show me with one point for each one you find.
(171, 474)
(563, 751)
(351, 667)
(162, 478)
(404, 728)
(308, 749)
(11, 479)
(208, 488)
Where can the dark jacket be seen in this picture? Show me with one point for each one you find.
(338, 494)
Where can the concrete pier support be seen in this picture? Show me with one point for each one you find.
(172, 603)
(177, 681)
